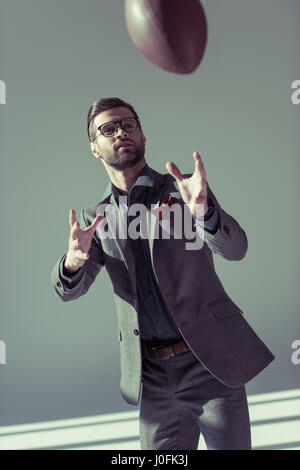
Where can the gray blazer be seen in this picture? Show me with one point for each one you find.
(212, 325)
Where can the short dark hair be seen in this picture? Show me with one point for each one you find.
(102, 105)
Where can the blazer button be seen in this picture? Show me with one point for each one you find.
(136, 332)
(58, 284)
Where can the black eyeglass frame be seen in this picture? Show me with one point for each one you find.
(117, 127)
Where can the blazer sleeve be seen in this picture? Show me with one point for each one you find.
(229, 240)
(211, 222)
(65, 287)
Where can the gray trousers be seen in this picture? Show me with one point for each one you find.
(181, 399)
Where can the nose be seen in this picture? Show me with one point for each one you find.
(119, 128)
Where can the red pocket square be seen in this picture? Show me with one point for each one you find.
(168, 200)
(163, 208)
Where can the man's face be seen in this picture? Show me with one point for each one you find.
(109, 149)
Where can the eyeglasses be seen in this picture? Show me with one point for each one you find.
(129, 124)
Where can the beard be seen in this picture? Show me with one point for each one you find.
(126, 157)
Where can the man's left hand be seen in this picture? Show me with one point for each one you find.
(193, 190)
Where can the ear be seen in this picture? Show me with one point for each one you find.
(95, 150)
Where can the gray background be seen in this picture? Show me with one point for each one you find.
(56, 58)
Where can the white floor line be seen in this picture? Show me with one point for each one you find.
(274, 422)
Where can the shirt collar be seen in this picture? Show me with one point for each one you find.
(146, 177)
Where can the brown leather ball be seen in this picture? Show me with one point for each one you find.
(170, 33)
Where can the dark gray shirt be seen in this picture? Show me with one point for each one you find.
(157, 326)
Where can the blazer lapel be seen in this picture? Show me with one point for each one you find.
(118, 225)
(121, 240)
(154, 198)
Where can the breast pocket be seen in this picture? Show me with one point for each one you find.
(224, 308)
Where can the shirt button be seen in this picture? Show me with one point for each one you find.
(136, 332)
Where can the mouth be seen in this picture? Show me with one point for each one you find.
(125, 144)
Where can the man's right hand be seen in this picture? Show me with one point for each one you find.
(79, 242)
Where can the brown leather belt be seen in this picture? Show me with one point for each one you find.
(165, 352)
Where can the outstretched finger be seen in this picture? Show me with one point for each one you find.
(174, 170)
(72, 217)
(199, 167)
(95, 222)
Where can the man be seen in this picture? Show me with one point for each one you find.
(180, 334)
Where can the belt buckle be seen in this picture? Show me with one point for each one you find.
(171, 353)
